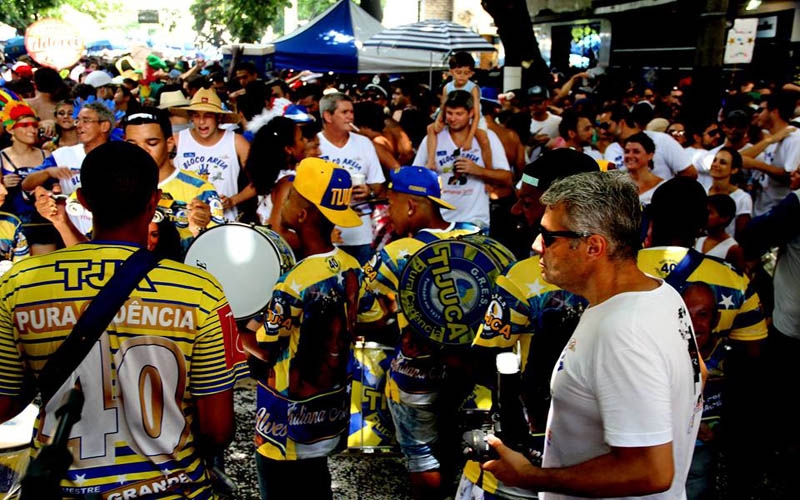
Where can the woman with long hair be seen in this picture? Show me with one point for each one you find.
(726, 166)
(276, 148)
(638, 158)
(16, 161)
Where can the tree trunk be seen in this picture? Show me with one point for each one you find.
(373, 8)
(704, 98)
(515, 29)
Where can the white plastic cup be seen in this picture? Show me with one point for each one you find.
(358, 179)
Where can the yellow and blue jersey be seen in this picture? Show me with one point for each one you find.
(416, 369)
(303, 403)
(740, 314)
(165, 347)
(178, 190)
(13, 245)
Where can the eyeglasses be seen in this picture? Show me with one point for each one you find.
(25, 125)
(549, 237)
(86, 120)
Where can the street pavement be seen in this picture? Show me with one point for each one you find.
(355, 476)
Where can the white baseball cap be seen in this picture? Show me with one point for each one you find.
(97, 79)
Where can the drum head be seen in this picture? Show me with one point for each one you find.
(18, 431)
(447, 285)
(244, 261)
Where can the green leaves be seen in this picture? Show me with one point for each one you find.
(223, 21)
(21, 13)
(244, 20)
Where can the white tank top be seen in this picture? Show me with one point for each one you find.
(720, 250)
(218, 164)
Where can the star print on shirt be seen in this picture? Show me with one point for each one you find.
(536, 287)
(727, 301)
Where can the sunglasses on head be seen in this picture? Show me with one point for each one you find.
(25, 125)
(549, 237)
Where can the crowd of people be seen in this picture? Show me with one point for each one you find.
(652, 305)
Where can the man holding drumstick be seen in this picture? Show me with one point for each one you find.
(305, 343)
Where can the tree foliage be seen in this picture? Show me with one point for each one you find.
(309, 9)
(245, 20)
(21, 13)
(248, 20)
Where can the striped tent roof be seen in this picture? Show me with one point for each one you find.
(432, 35)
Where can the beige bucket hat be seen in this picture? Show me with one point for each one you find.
(206, 100)
(172, 99)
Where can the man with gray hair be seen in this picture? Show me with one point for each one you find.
(356, 154)
(627, 389)
(94, 125)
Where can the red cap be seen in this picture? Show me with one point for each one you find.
(23, 70)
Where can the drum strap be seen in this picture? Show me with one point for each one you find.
(680, 275)
(94, 321)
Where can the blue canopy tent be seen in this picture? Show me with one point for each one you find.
(15, 47)
(334, 41)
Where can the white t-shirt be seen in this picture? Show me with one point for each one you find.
(670, 157)
(744, 206)
(264, 207)
(646, 197)
(72, 158)
(218, 164)
(785, 154)
(615, 154)
(357, 156)
(593, 153)
(626, 379)
(702, 162)
(547, 126)
(470, 199)
(701, 159)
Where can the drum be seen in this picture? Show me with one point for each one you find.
(15, 441)
(246, 260)
(446, 287)
(371, 426)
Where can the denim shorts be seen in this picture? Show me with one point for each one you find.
(415, 431)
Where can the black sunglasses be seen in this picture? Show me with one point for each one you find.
(603, 125)
(549, 237)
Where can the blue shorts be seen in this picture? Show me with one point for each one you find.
(415, 428)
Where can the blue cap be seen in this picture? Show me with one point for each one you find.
(419, 181)
(298, 113)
